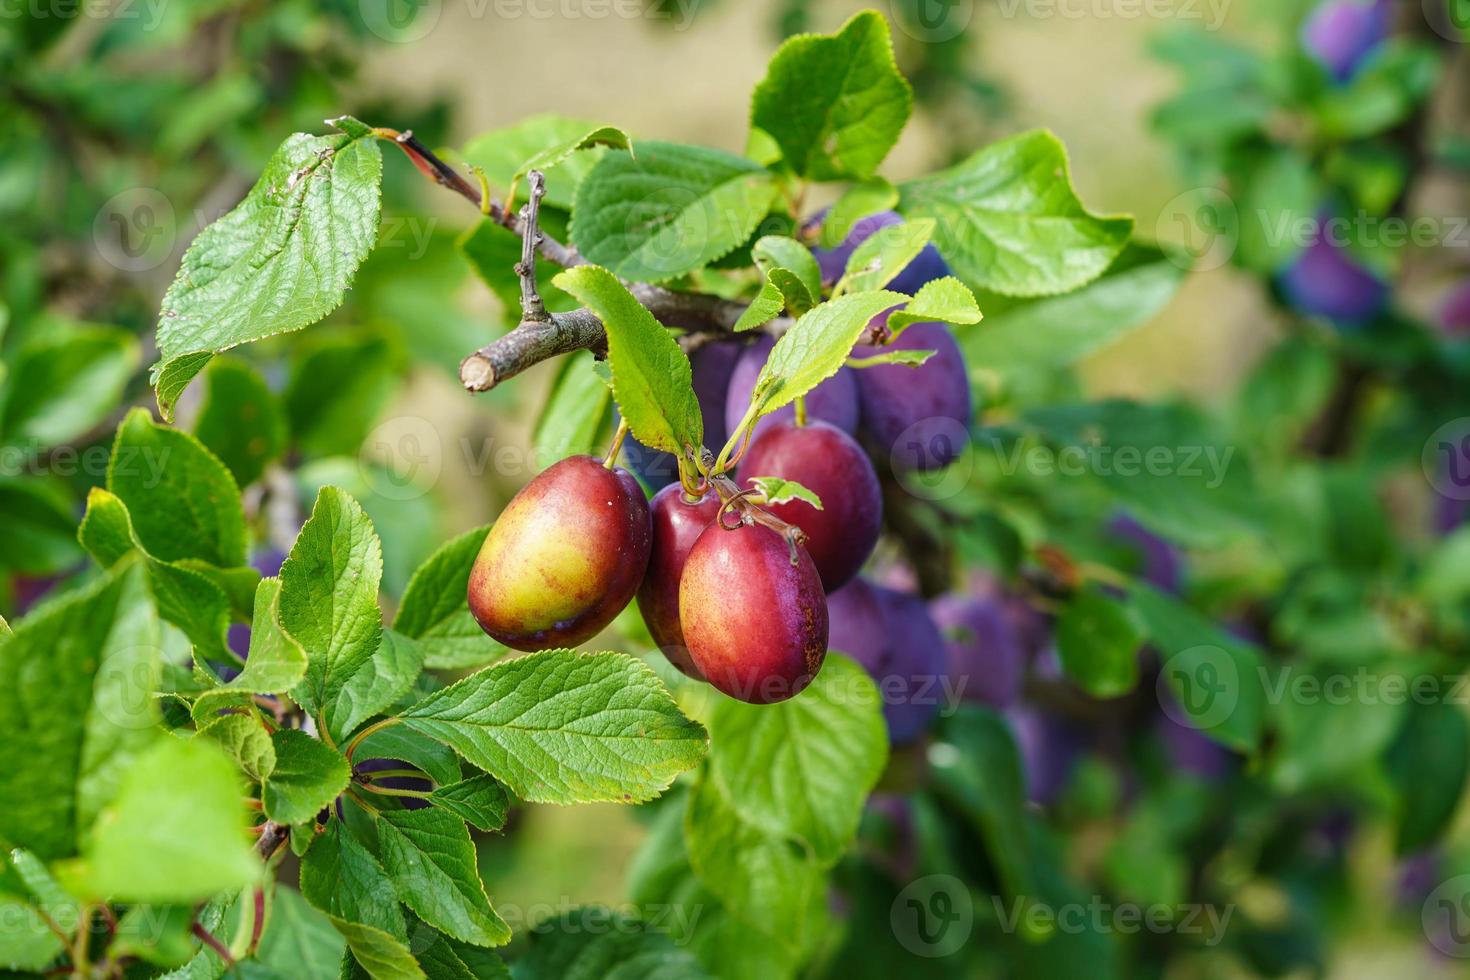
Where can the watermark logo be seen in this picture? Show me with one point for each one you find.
(1199, 687)
(1205, 223)
(1446, 917)
(934, 458)
(932, 21)
(402, 458)
(1446, 459)
(135, 230)
(933, 916)
(400, 21)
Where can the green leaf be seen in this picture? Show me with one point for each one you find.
(26, 940)
(431, 860)
(434, 613)
(279, 261)
(480, 799)
(275, 663)
(576, 414)
(299, 941)
(777, 490)
(884, 254)
(245, 738)
(1214, 678)
(834, 103)
(50, 896)
(62, 384)
(1059, 331)
(1281, 192)
(562, 727)
(1428, 763)
(378, 684)
(670, 211)
(341, 381)
(1324, 739)
(307, 777)
(593, 943)
(907, 358)
(772, 252)
(76, 706)
(803, 768)
(340, 877)
(816, 347)
(856, 203)
(502, 152)
(767, 880)
(1009, 220)
(943, 300)
(1097, 640)
(381, 956)
(652, 377)
(182, 500)
(609, 136)
(241, 421)
(175, 832)
(40, 527)
(329, 601)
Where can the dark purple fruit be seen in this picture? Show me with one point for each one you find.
(920, 416)
(928, 266)
(834, 401)
(986, 659)
(1326, 280)
(830, 463)
(913, 669)
(1343, 34)
(564, 558)
(856, 626)
(677, 524)
(755, 623)
(1158, 561)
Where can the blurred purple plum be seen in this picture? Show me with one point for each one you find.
(1341, 35)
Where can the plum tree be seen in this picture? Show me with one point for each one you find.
(1342, 35)
(834, 401)
(677, 524)
(1326, 280)
(830, 463)
(986, 659)
(918, 414)
(564, 558)
(753, 613)
(928, 266)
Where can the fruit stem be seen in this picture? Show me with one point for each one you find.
(745, 504)
(801, 411)
(611, 459)
(738, 442)
(358, 738)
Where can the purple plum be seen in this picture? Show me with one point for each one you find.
(834, 401)
(1454, 312)
(928, 266)
(913, 666)
(1190, 751)
(1159, 562)
(1049, 749)
(1343, 34)
(1327, 281)
(856, 628)
(986, 660)
(919, 415)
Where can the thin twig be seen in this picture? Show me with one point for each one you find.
(532, 309)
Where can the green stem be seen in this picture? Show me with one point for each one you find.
(731, 452)
(617, 444)
(397, 774)
(389, 791)
(801, 411)
(375, 727)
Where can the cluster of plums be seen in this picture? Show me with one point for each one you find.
(731, 600)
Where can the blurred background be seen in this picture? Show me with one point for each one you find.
(135, 124)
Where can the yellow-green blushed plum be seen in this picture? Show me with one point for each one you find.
(565, 557)
(753, 612)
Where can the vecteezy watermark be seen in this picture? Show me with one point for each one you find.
(1211, 13)
(933, 916)
(1450, 19)
(1446, 459)
(406, 21)
(1099, 915)
(135, 230)
(402, 458)
(932, 21)
(1199, 687)
(1362, 685)
(150, 12)
(1207, 463)
(1445, 917)
(33, 458)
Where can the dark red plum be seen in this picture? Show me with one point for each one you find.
(564, 558)
(754, 621)
(711, 364)
(1326, 280)
(913, 668)
(986, 659)
(928, 266)
(1158, 562)
(1343, 34)
(677, 524)
(921, 415)
(834, 401)
(830, 463)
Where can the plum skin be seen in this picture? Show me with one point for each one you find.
(1343, 34)
(834, 401)
(677, 524)
(831, 464)
(985, 655)
(1326, 280)
(929, 405)
(564, 558)
(891, 634)
(755, 622)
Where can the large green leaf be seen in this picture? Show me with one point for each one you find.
(329, 599)
(241, 420)
(669, 211)
(480, 799)
(1097, 641)
(174, 833)
(837, 103)
(504, 152)
(592, 943)
(40, 528)
(60, 385)
(276, 662)
(76, 706)
(1010, 222)
(280, 261)
(652, 377)
(816, 347)
(434, 611)
(308, 775)
(803, 768)
(563, 727)
(430, 858)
